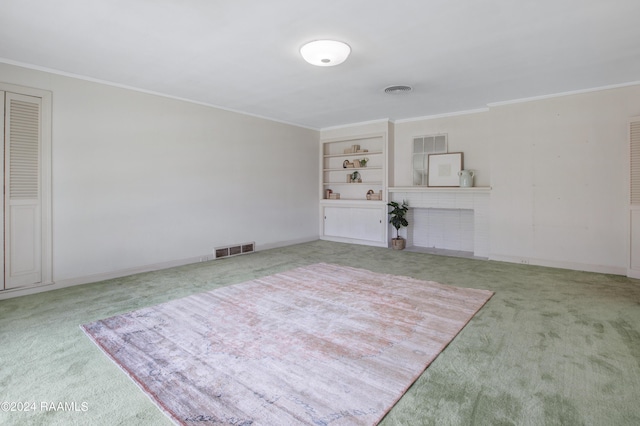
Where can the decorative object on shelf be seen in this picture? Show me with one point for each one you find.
(444, 168)
(397, 220)
(466, 178)
(327, 193)
(334, 196)
(373, 196)
(346, 164)
(354, 177)
(353, 149)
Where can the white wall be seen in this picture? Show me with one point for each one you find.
(143, 180)
(559, 172)
(560, 180)
(467, 133)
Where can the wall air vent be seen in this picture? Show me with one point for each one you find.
(234, 250)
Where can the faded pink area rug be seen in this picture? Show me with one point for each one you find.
(317, 345)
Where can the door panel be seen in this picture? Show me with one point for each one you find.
(22, 183)
(361, 223)
(23, 265)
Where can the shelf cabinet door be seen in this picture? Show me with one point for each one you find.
(354, 223)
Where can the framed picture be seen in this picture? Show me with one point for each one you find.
(444, 168)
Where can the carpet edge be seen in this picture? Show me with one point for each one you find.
(172, 416)
(417, 376)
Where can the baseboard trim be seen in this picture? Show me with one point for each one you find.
(633, 273)
(88, 279)
(602, 269)
(355, 241)
(70, 282)
(260, 247)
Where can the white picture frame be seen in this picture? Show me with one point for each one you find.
(444, 169)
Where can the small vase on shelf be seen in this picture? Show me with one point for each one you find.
(466, 178)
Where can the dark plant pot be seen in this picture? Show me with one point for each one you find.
(398, 243)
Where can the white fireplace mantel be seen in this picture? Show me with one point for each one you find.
(474, 198)
(453, 190)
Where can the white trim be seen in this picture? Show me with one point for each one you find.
(382, 135)
(438, 189)
(70, 282)
(362, 123)
(561, 94)
(46, 196)
(396, 121)
(632, 273)
(148, 92)
(513, 101)
(287, 243)
(354, 241)
(87, 279)
(443, 115)
(582, 267)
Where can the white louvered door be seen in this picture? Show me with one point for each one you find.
(634, 199)
(23, 194)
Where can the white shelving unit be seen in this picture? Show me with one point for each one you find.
(353, 218)
(372, 176)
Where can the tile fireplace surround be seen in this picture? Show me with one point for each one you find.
(452, 205)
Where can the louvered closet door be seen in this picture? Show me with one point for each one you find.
(22, 208)
(634, 209)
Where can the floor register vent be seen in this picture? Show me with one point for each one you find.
(234, 250)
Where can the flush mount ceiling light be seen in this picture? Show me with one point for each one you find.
(325, 53)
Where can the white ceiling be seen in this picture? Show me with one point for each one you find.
(243, 55)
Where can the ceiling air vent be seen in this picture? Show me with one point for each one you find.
(397, 89)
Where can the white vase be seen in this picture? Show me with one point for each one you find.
(466, 178)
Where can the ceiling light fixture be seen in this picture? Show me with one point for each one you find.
(325, 53)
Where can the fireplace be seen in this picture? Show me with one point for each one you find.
(446, 218)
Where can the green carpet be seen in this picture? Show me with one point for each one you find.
(552, 347)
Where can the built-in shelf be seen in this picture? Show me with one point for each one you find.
(347, 169)
(352, 201)
(353, 183)
(353, 154)
(337, 153)
(353, 218)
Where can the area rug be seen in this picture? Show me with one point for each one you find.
(317, 345)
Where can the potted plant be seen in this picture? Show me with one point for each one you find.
(398, 220)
